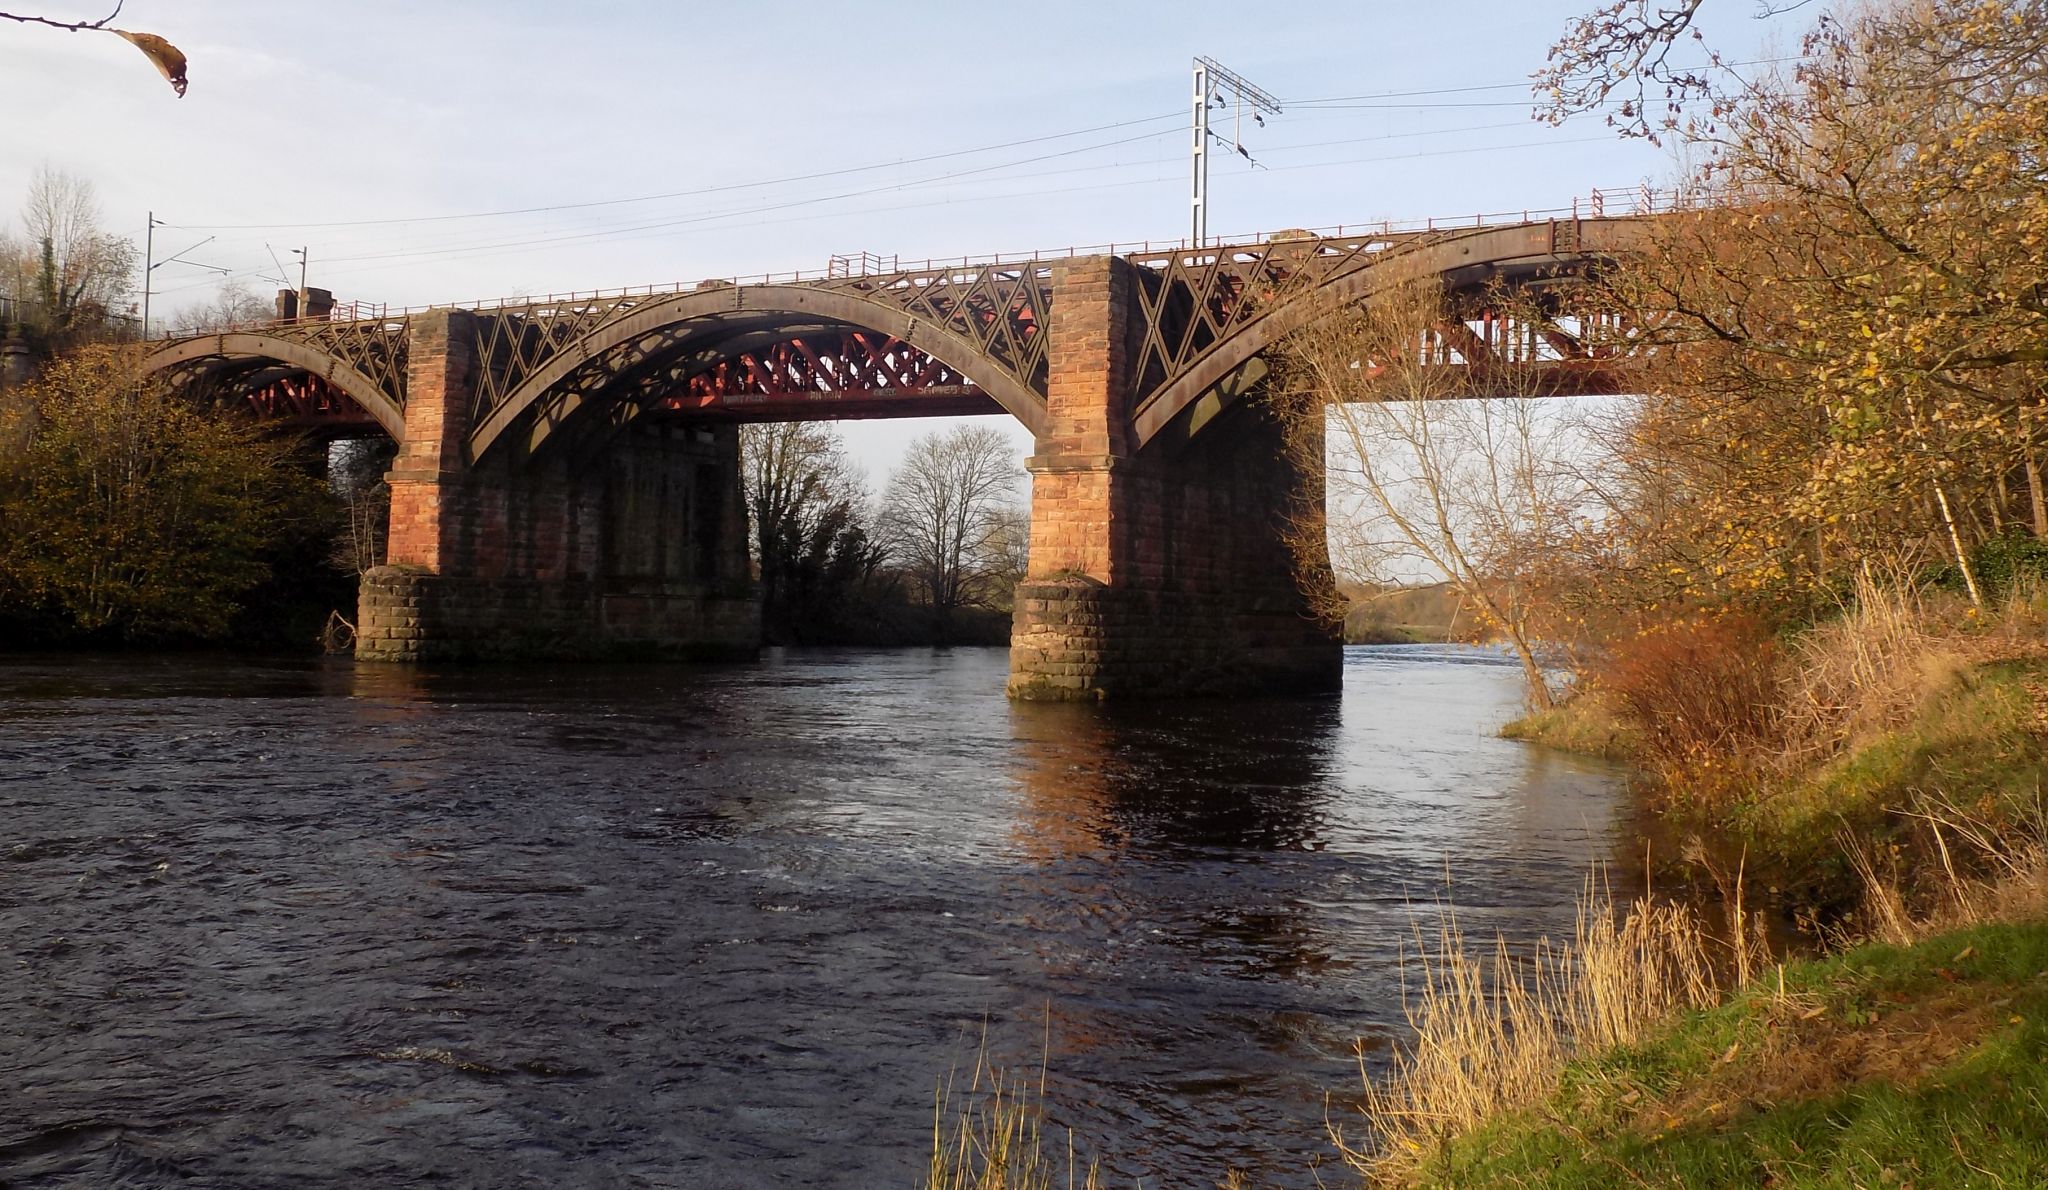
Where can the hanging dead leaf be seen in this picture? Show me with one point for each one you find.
(169, 60)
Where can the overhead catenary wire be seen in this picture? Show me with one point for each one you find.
(740, 217)
(1336, 102)
(698, 192)
(749, 214)
(630, 230)
(1040, 192)
(633, 232)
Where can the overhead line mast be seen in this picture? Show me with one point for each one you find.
(1210, 77)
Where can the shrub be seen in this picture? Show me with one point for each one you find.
(128, 514)
(1700, 692)
(2014, 556)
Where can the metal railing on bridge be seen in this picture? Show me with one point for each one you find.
(1619, 202)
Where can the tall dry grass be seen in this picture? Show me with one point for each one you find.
(1868, 671)
(1991, 871)
(1493, 1031)
(992, 1136)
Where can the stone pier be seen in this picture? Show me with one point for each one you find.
(1158, 572)
(636, 550)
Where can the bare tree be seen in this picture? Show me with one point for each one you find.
(1618, 59)
(69, 276)
(808, 504)
(941, 515)
(1435, 468)
(355, 475)
(1007, 549)
(234, 304)
(791, 470)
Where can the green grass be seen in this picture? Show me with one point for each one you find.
(1586, 724)
(1977, 743)
(1883, 1066)
(1978, 746)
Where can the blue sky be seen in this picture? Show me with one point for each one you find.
(377, 134)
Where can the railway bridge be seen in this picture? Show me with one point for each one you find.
(567, 478)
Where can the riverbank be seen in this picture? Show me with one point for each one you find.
(1917, 1065)
(1877, 783)
(1873, 728)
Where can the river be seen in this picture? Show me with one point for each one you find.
(300, 923)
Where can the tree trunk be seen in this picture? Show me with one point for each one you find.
(2034, 495)
(1955, 541)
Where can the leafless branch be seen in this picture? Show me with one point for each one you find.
(70, 26)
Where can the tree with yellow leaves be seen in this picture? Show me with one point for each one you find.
(1849, 322)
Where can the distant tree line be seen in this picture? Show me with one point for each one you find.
(932, 560)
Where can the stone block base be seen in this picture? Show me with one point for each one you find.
(1076, 639)
(408, 614)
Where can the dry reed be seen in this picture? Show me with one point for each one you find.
(992, 1136)
(1494, 1031)
(1867, 672)
(1991, 871)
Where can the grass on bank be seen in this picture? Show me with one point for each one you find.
(1818, 752)
(1622, 1061)
(1918, 1065)
(1587, 724)
(1892, 761)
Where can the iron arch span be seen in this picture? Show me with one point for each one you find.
(601, 367)
(277, 357)
(1234, 364)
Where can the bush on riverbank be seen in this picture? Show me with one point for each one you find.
(128, 516)
(1832, 742)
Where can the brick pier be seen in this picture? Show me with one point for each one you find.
(1160, 572)
(1157, 570)
(639, 550)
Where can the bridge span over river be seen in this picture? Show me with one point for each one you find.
(567, 478)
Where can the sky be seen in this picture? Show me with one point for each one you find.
(446, 150)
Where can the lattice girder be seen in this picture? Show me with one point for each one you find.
(375, 348)
(365, 362)
(949, 331)
(276, 394)
(986, 323)
(750, 368)
(1208, 316)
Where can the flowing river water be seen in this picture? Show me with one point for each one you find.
(316, 924)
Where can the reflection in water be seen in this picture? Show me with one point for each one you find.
(666, 926)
